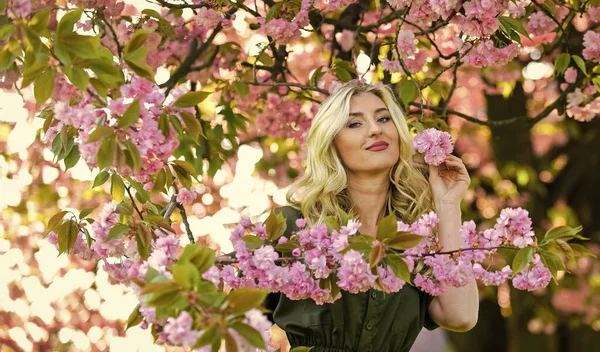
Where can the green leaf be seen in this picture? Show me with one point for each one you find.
(376, 255)
(363, 247)
(230, 343)
(101, 178)
(404, 240)
(513, 24)
(134, 318)
(209, 337)
(101, 132)
(130, 115)
(241, 88)
(186, 275)
(332, 223)
(408, 91)
(99, 87)
(387, 227)
(124, 208)
(163, 125)
(56, 220)
(7, 59)
(191, 99)
(566, 249)
(65, 26)
(72, 158)
(141, 68)
(560, 232)
(67, 234)
(44, 85)
(6, 31)
(187, 167)
(253, 242)
(214, 299)
(193, 126)
(202, 257)
(106, 153)
(39, 21)
(143, 238)
(135, 155)
(562, 62)
(78, 77)
(552, 262)
(286, 247)
(275, 226)
(398, 266)
(117, 188)
(136, 41)
(243, 299)
(142, 195)
(580, 63)
(183, 176)
(301, 349)
(581, 251)
(118, 231)
(522, 259)
(85, 212)
(159, 181)
(342, 74)
(250, 334)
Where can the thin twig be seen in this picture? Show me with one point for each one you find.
(185, 222)
(168, 210)
(128, 189)
(471, 249)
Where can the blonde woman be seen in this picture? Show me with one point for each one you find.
(360, 160)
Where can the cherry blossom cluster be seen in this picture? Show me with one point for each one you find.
(319, 254)
(153, 146)
(435, 144)
(583, 105)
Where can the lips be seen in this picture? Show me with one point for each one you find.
(377, 146)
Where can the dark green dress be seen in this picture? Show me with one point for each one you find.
(371, 321)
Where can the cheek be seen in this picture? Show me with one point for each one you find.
(344, 144)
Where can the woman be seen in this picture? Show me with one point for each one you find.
(360, 160)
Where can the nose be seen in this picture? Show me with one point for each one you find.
(374, 128)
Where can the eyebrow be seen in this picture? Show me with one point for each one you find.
(358, 114)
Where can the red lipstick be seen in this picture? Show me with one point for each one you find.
(377, 146)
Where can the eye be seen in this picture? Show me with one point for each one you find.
(384, 119)
(354, 125)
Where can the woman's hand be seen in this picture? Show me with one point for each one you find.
(449, 181)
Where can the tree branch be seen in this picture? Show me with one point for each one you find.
(185, 222)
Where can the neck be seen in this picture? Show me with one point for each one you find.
(368, 193)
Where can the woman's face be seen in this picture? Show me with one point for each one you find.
(368, 143)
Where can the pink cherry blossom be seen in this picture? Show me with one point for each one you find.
(435, 144)
(405, 44)
(534, 276)
(346, 39)
(354, 273)
(591, 46)
(594, 13)
(178, 331)
(539, 24)
(571, 75)
(185, 196)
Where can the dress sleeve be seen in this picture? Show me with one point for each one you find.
(426, 299)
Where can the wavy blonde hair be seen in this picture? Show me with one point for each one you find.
(322, 190)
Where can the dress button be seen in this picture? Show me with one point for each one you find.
(369, 326)
(374, 295)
